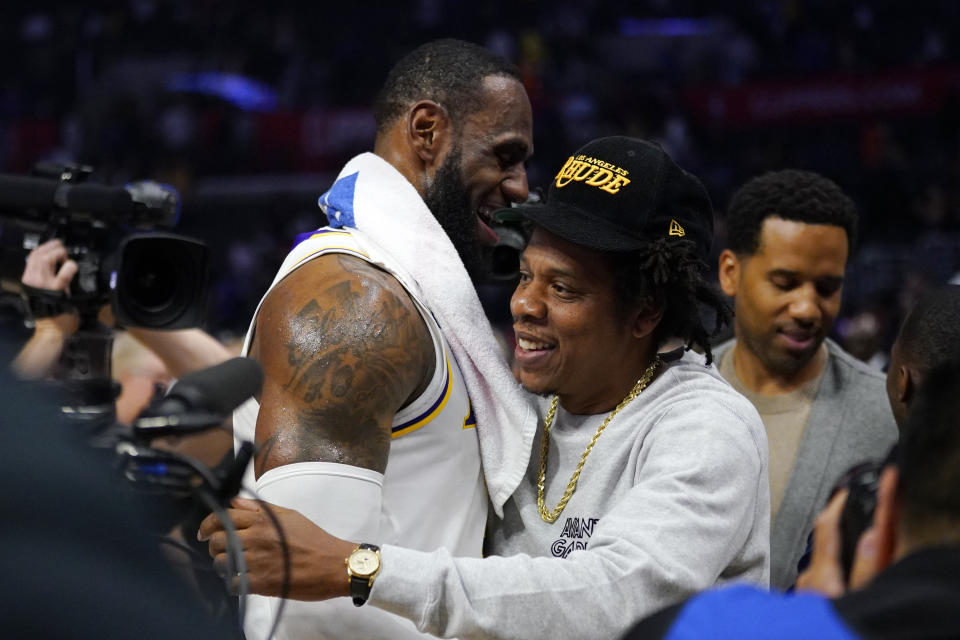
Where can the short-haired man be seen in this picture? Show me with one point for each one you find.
(648, 479)
(789, 234)
(929, 338)
(372, 333)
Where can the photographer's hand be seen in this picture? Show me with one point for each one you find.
(825, 573)
(48, 267)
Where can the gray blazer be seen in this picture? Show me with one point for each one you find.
(850, 422)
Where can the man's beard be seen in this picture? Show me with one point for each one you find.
(778, 361)
(447, 198)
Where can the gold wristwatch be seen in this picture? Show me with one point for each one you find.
(363, 565)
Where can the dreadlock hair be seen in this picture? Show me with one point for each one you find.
(449, 72)
(791, 194)
(669, 274)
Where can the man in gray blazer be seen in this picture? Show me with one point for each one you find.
(789, 234)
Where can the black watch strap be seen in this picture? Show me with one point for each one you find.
(359, 590)
(46, 303)
(360, 587)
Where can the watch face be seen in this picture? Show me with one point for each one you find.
(364, 562)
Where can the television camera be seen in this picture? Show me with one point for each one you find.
(126, 259)
(150, 278)
(153, 280)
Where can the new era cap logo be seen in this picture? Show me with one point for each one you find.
(592, 172)
(676, 229)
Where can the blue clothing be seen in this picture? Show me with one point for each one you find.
(914, 599)
(743, 612)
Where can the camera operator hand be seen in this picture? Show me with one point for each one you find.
(825, 573)
(48, 267)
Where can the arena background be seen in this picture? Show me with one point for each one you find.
(249, 108)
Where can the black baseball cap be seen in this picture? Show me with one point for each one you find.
(619, 194)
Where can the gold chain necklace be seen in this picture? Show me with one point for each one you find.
(551, 516)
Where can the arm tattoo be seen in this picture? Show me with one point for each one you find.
(263, 454)
(354, 352)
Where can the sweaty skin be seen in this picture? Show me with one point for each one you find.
(342, 345)
(343, 349)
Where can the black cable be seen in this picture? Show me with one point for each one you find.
(200, 563)
(183, 474)
(236, 563)
(285, 552)
(208, 492)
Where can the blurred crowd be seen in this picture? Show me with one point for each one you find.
(248, 108)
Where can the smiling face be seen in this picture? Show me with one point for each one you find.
(483, 170)
(573, 338)
(787, 296)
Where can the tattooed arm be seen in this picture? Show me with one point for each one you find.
(343, 348)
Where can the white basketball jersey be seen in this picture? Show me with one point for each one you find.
(433, 491)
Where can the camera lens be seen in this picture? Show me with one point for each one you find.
(152, 281)
(160, 281)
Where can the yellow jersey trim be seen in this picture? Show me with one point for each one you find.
(433, 411)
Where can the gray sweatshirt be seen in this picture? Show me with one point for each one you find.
(674, 498)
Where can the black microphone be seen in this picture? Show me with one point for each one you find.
(200, 399)
(233, 480)
(143, 201)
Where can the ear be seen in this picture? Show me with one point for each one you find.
(729, 272)
(646, 319)
(429, 131)
(905, 384)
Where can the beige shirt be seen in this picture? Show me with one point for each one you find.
(785, 419)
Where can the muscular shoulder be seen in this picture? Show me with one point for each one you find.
(317, 298)
(343, 347)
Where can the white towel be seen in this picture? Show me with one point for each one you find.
(372, 196)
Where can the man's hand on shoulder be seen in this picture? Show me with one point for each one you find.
(316, 558)
(343, 348)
